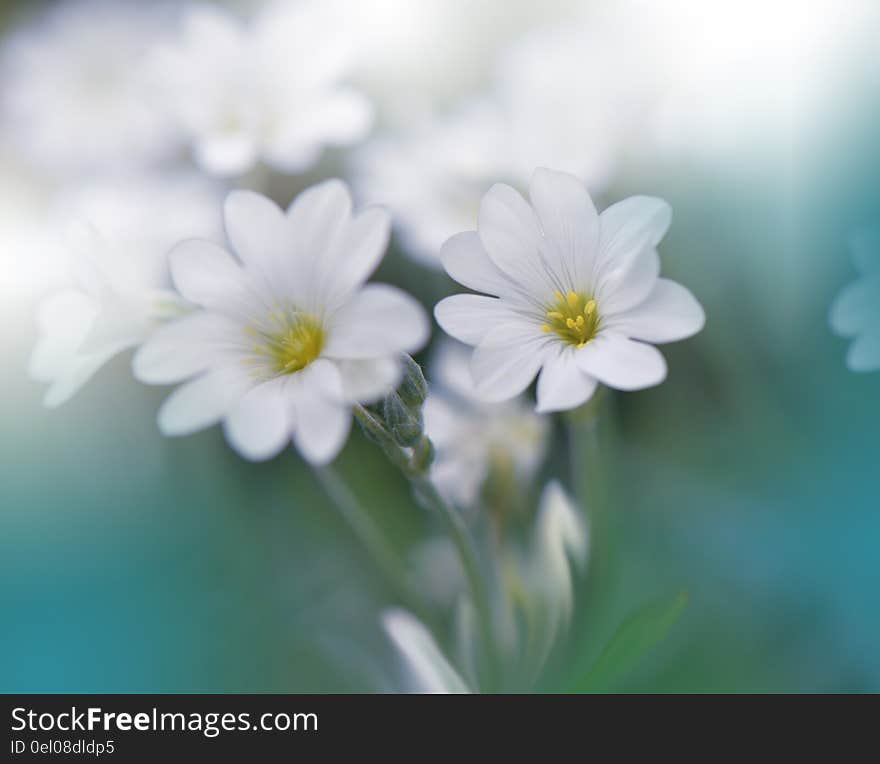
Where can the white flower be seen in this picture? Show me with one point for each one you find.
(561, 538)
(472, 436)
(270, 89)
(74, 92)
(286, 337)
(856, 310)
(120, 233)
(577, 296)
(554, 101)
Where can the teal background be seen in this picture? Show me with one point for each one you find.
(749, 479)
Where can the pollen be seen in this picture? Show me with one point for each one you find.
(574, 318)
(288, 342)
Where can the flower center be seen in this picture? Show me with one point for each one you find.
(573, 318)
(294, 340)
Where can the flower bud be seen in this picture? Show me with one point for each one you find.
(423, 455)
(403, 422)
(413, 387)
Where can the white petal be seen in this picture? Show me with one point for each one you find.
(622, 363)
(628, 282)
(377, 322)
(864, 353)
(429, 667)
(79, 371)
(367, 380)
(226, 155)
(260, 424)
(631, 225)
(506, 362)
(511, 234)
(203, 401)
(185, 347)
(856, 307)
(562, 385)
(316, 216)
(357, 252)
(339, 119)
(669, 314)
(570, 223)
(257, 229)
(64, 320)
(323, 418)
(206, 274)
(469, 317)
(465, 260)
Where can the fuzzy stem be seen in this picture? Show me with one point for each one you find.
(426, 492)
(368, 533)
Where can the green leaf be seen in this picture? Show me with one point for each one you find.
(640, 632)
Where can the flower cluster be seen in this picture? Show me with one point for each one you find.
(265, 320)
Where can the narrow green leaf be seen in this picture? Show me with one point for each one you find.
(640, 632)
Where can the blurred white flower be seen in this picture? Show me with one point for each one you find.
(554, 102)
(429, 670)
(532, 607)
(75, 95)
(269, 89)
(438, 570)
(561, 538)
(432, 177)
(577, 296)
(286, 337)
(856, 310)
(119, 232)
(471, 436)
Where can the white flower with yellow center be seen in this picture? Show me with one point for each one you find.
(271, 89)
(856, 310)
(119, 232)
(473, 438)
(576, 295)
(286, 337)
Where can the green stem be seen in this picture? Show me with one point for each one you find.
(416, 472)
(585, 455)
(368, 533)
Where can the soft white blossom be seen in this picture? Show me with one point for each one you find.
(286, 336)
(268, 89)
(471, 436)
(575, 295)
(553, 102)
(118, 233)
(855, 312)
(74, 93)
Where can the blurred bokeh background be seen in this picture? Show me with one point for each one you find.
(136, 563)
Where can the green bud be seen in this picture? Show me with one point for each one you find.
(423, 455)
(403, 422)
(413, 387)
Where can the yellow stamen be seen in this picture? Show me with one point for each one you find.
(291, 340)
(574, 318)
